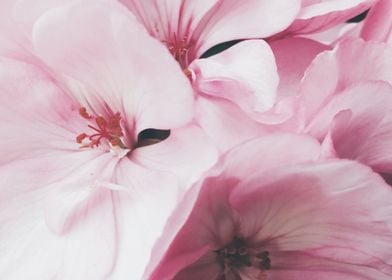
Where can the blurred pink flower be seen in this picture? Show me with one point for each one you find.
(86, 186)
(280, 219)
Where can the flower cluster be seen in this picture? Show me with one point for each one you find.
(195, 140)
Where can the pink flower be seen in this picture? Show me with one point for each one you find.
(96, 148)
(239, 84)
(284, 220)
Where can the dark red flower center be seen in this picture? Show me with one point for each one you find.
(237, 255)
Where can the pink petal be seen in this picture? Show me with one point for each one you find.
(293, 56)
(209, 22)
(365, 135)
(141, 213)
(332, 72)
(245, 74)
(225, 123)
(163, 18)
(186, 153)
(90, 249)
(230, 20)
(126, 74)
(336, 34)
(80, 193)
(87, 251)
(276, 150)
(36, 115)
(378, 23)
(316, 16)
(320, 265)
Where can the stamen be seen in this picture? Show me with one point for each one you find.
(105, 129)
(180, 48)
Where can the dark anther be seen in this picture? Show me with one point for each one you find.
(151, 136)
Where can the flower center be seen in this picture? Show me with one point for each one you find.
(180, 50)
(236, 256)
(108, 129)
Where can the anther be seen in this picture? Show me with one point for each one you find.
(104, 129)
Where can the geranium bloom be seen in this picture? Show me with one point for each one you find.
(304, 221)
(239, 84)
(96, 148)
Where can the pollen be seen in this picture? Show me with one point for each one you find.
(102, 129)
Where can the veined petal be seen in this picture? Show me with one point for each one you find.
(36, 115)
(333, 206)
(163, 18)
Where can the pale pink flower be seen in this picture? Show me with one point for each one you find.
(347, 96)
(85, 188)
(325, 220)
